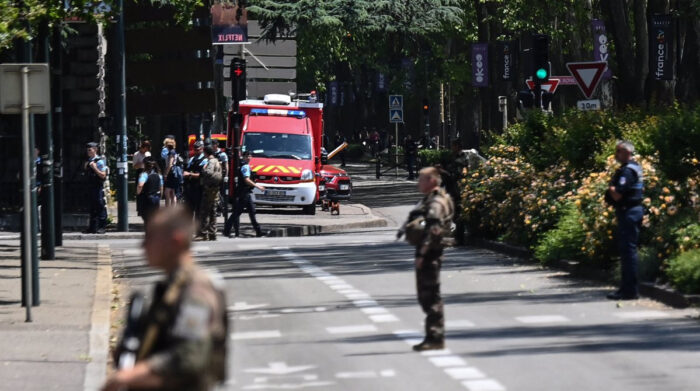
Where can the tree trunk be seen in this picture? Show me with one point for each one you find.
(631, 91)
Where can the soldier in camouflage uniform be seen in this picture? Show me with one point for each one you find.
(211, 178)
(427, 228)
(183, 343)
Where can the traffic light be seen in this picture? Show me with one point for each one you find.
(426, 107)
(238, 76)
(540, 57)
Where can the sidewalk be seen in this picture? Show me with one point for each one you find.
(65, 346)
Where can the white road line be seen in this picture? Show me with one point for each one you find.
(200, 248)
(483, 385)
(357, 296)
(356, 375)
(442, 352)
(542, 319)
(374, 310)
(447, 361)
(337, 287)
(383, 318)
(256, 335)
(348, 291)
(642, 315)
(130, 252)
(407, 333)
(459, 324)
(364, 303)
(387, 373)
(363, 328)
(465, 373)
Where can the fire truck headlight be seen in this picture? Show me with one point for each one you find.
(307, 176)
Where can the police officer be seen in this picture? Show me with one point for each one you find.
(95, 171)
(182, 345)
(193, 188)
(210, 181)
(244, 187)
(426, 228)
(221, 155)
(625, 194)
(411, 151)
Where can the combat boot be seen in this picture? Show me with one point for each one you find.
(429, 344)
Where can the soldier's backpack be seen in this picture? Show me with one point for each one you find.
(212, 176)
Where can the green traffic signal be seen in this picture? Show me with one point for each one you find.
(541, 73)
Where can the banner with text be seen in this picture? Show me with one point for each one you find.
(600, 45)
(480, 64)
(661, 47)
(505, 56)
(229, 24)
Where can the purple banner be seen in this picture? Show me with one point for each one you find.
(333, 93)
(600, 45)
(661, 47)
(480, 64)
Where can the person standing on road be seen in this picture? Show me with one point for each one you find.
(95, 171)
(625, 194)
(174, 178)
(149, 188)
(185, 330)
(221, 155)
(137, 160)
(426, 228)
(244, 187)
(411, 151)
(210, 181)
(193, 188)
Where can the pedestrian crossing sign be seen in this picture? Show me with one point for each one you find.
(396, 116)
(396, 102)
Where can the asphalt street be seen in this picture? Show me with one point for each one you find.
(338, 312)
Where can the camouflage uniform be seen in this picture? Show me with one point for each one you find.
(437, 209)
(189, 348)
(207, 212)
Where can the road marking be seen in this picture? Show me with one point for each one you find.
(256, 335)
(356, 296)
(279, 368)
(254, 317)
(356, 375)
(338, 287)
(483, 385)
(244, 306)
(441, 352)
(642, 315)
(383, 318)
(542, 319)
(199, 249)
(447, 361)
(329, 278)
(459, 324)
(364, 328)
(374, 310)
(130, 252)
(364, 303)
(349, 291)
(387, 373)
(464, 373)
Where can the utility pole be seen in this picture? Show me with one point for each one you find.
(57, 102)
(48, 236)
(120, 124)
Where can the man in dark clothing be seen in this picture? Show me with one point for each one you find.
(625, 194)
(95, 171)
(244, 200)
(411, 151)
(193, 188)
(339, 140)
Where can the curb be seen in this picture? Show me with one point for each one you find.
(96, 369)
(663, 294)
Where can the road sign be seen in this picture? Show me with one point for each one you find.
(396, 102)
(549, 86)
(566, 80)
(11, 88)
(587, 75)
(593, 104)
(396, 116)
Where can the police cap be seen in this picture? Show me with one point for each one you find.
(91, 144)
(198, 144)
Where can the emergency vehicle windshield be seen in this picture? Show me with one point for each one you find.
(278, 145)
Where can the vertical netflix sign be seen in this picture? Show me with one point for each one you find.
(661, 47)
(229, 23)
(505, 54)
(480, 64)
(600, 45)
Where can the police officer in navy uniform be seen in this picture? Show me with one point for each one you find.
(244, 187)
(411, 151)
(193, 187)
(95, 171)
(625, 194)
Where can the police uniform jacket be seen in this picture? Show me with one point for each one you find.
(629, 182)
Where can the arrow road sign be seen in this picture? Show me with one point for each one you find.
(587, 75)
(549, 86)
(396, 102)
(280, 368)
(396, 116)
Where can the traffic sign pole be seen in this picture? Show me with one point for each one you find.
(26, 195)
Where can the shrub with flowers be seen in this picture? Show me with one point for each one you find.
(558, 210)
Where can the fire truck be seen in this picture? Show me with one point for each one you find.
(284, 137)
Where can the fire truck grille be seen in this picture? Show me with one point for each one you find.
(275, 198)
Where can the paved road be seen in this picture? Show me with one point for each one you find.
(338, 312)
